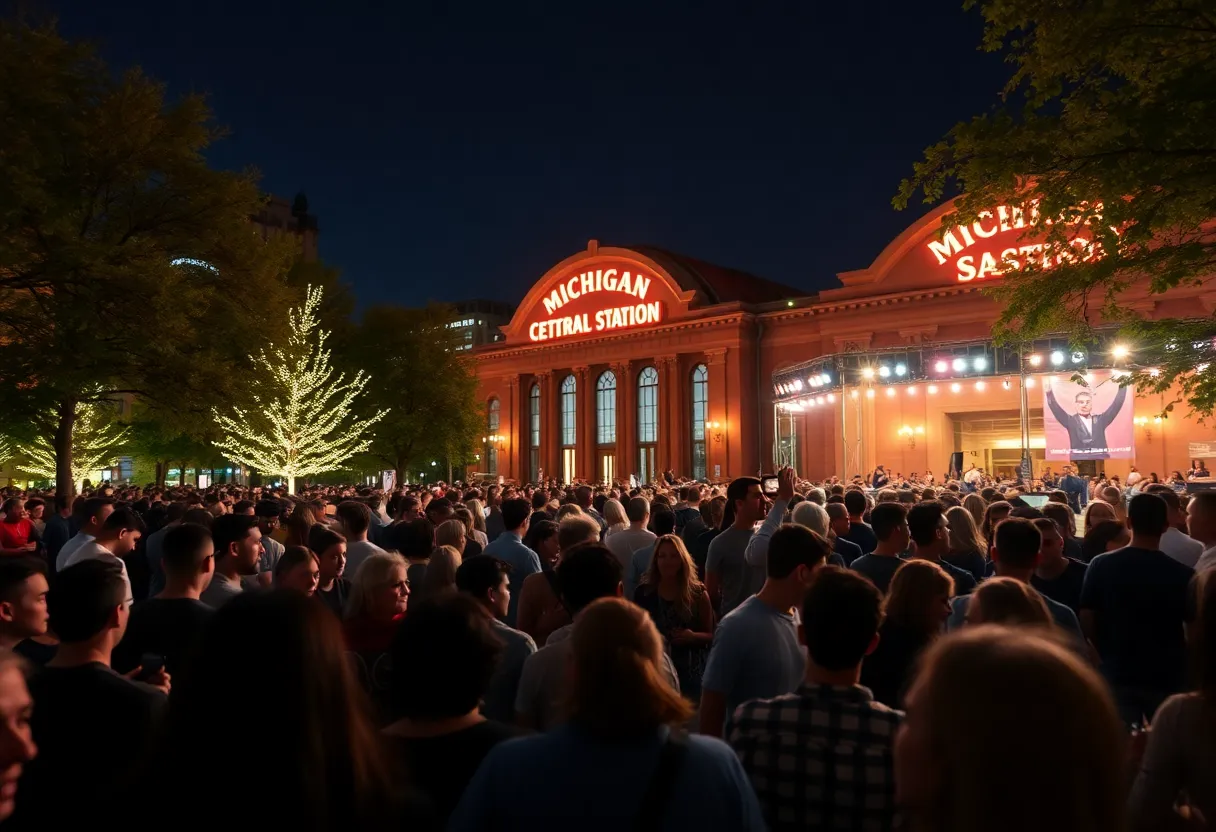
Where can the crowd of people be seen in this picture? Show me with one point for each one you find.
(763, 654)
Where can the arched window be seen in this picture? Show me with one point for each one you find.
(605, 409)
(700, 410)
(648, 423)
(569, 412)
(493, 421)
(534, 432)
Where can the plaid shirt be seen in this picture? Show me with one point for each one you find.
(820, 758)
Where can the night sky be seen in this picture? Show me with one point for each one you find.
(458, 150)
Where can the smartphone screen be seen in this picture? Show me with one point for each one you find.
(769, 485)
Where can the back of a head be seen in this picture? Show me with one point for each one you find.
(515, 513)
(440, 572)
(841, 613)
(663, 521)
(886, 518)
(1161, 490)
(414, 539)
(186, 548)
(123, 519)
(1061, 514)
(1148, 514)
(450, 533)
(449, 645)
(812, 516)
(320, 713)
(817, 495)
(356, 517)
(792, 546)
(1098, 538)
(586, 573)
(637, 510)
(175, 512)
(855, 502)
(199, 517)
(83, 597)
(617, 688)
(911, 600)
(1062, 726)
(93, 506)
(1008, 601)
(576, 530)
(923, 520)
(837, 511)
(477, 575)
(1017, 543)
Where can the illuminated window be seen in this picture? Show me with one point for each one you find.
(493, 421)
(605, 408)
(700, 406)
(569, 411)
(534, 431)
(648, 405)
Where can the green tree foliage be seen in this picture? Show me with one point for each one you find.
(103, 185)
(302, 420)
(1107, 127)
(98, 439)
(430, 387)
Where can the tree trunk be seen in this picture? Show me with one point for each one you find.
(65, 484)
(182, 478)
(398, 471)
(160, 474)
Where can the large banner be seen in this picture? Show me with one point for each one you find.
(1091, 421)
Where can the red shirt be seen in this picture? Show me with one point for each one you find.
(16, 535)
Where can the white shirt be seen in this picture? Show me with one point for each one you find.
(1087, 422)
(1182, 548)
(69, 548)
(95, 551)
(972, 476)
(1133, 478)
(1206, 561)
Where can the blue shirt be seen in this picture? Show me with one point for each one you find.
(880, 569)
(638, 564)
(755, 655)
(592, 785)
(524, 562)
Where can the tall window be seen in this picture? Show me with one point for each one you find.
(648, 406)
(700, 409)
(493, 420)
(569, 434)
(648, 423)
(605, 408)
(534, 432)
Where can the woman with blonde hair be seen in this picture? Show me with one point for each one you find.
(967, 547)
(440, 572)
(379, 597)
(679, 607)
(1114, 497)
(1031, 705)
(472, 546)
(568, 510)
(1010, 602)
(975, 504)
(916, 608)
(478, 511)
(621, 713)
(452, 533)
(615, 517)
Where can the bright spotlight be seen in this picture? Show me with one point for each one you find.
(980, 363)
(884, 371)
(890, 392)
(1078, 357)
(901, 369)
(1036, 360)
(1120, 351)
(932, 389)
(959, 365)
(941, 366)
(1057, 358)
(867, 372)
(827, 379)
(954, 388)
(979, 385)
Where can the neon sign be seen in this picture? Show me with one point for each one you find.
(583, 298)
(995, 260)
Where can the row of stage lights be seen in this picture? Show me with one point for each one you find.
(942, 366)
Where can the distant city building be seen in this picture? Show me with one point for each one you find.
(477, 322)
(279, 216)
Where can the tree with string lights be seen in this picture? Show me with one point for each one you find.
(300, 423)
(98, 439)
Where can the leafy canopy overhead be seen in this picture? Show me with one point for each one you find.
(97, 442)
(1107, 126)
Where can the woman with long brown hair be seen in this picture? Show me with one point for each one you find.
(1009, 731)
(1009, 602)
(299, 524)
(679, 607)
(318, 760)
(1179, 763)
(916, 608)
(976, 507)
(601, 765)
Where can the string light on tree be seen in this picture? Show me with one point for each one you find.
(301, 424)
(97, 441)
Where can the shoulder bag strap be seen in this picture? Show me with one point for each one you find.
(662, 782)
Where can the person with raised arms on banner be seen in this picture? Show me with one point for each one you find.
(1086, 429)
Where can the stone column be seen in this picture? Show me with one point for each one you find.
(665, 365)
(626, 420)
(717, 442)
(584, 467)
(548, 415)
(512, 431)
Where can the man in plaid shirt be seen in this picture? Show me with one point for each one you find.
(820, 757)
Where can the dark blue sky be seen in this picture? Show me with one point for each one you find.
(458, 150)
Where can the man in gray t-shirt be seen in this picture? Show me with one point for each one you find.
(728, 578)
